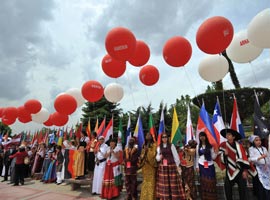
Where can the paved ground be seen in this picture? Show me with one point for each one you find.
(34, 189)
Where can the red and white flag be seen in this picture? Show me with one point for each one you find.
(108, 131)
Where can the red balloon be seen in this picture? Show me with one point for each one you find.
(214, 35)
(120, 43)
(10, 113)
(141, 54)
(59, 119)
(49, 121)
(112, 67)
(1, 112)
(177, 51)
(149, 75)
(23, 113)
(33, 106)
(92, 91)
(7, 121)
(25, 119)
(65, 104)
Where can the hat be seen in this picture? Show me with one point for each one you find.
(252, 138)
(237, 135)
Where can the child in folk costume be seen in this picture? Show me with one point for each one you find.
(131, 156)
(259, 156)
(205, 166)
(110, 189)
(168, 184)
(59, 164)
(234, 157)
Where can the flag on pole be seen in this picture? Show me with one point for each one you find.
(236, 121)
(176, 137)
(88, 128)
(161, 128)
(152, 128)
(78, 130)
(121, 132)
(101, 128)
(96, 126)
(138, 133)
(261, 124)
(205, 125)
(108, 131)
(218, 123)
(60, 138)
(189, 128)
(128, 133)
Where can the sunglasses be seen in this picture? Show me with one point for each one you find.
(164, 137)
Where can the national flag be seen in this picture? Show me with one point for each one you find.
(78, 131)
(101, 128)
(1, 138)
(152, 128)
(189, 128)
(108, 131)
(34, 139)
(138, 133)
(176, 137)
(96, 126)
(261, 124)
(161, 128)
(205, 124)
(121, 132)
(88, 128)
(16, 140)
(218, 123)
(128, 133)
(236, 121)
(60, 138)
(40, 137)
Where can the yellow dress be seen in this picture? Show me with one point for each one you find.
(149, 167)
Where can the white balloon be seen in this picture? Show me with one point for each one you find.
(213, 68)
(42, 116)
(114, 92)
(76, 93)
(259, 29)
(241, 50)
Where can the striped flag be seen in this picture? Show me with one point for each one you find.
(108, 131)
(161, 128)
(128, 133)
(152, 128)
(88, 128)
(101, 128)
(236, 123)
(176, 136)
(218, 123)
(138, 133)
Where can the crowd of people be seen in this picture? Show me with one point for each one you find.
(168, 170)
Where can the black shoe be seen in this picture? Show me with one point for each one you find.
(22, 183)
(94, 193)
(58, 183)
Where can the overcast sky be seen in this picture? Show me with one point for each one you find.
(50, 46)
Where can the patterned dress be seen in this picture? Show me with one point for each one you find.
(149, 168)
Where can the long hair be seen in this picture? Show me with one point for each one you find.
(208, 146)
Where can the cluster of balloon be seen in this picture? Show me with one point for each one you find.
(9, 115)
(65, 104)
(120, 43)
(259, 29)
(33, 106)
(149, 75)
(23, 115)
(214, 35)
(113, 92)
(213, 68)
(177, 51)
(141, 55)
(92, 91)
(112, 67)
(241, 50)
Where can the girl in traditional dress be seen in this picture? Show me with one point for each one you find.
(149, 167)
(80, 159)
(261, 158)
(169, 184)
(205, 166)
(39, 158)
(59, 164)
(91, 155)
(110, 189)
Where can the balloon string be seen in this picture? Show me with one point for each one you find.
(192, 86)
(254, 75)
(130, 87)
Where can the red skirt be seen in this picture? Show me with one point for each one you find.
(109, 189)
